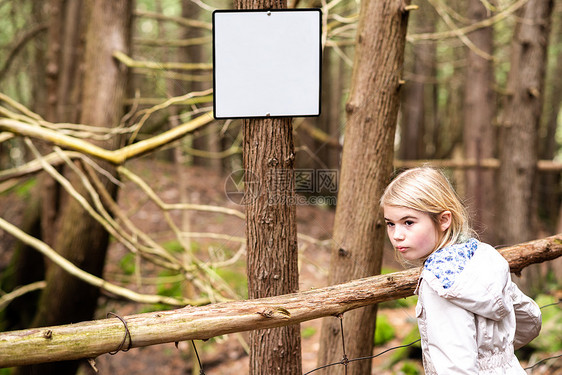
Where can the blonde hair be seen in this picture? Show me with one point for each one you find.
(427, 190)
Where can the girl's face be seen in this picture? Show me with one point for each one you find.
(413, 233)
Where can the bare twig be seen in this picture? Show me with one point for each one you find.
(179, 20)
(114, 156)
(18, 46)
(465, 30)
(69, 267)
(160, 65)
(174, 206)
(18, 292)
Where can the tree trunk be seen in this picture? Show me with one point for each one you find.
(333, 80)
(522, 113)
(78, 237)
(334, 77)
(551, 181)
(271, 238)
(60, 105)
(549, 191)
(419, 89)
(26, 266)
(479, 133)
(366, 168)
(207, 139)
(271, 233)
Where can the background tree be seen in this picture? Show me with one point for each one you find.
(549, 185)
(359, 229)
(79, 238)
(419, 97)
(57, 99)
(271, 232)
(520, 124)
(521, 120)
(479, 111)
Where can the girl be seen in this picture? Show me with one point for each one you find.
(471, 316)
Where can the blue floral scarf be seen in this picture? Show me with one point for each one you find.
(448, 262)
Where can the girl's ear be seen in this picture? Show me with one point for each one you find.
(445, 219)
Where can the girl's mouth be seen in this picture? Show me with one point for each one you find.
(401, 249)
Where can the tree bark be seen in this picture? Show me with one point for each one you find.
(90, 339)
(271, 233)
(78, 237)
(479, 133)
(549, 191)
(272, 260)
(523, 110)
(366, 168)
(419, 90)
(522, 113)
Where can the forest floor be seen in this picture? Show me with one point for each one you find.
(227, 354)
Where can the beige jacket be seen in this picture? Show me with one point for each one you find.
(473, 326)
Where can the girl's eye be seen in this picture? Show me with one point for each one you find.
(409, 222)
(389, 224)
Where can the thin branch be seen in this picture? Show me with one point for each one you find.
(35, 165)
(457, 31)
(179, 20)
(18, 46)
(175, 100)
(149, 250)
(465, 30)
(69, 267)
(174, 206)
(5, 136)
(129, 62)
(20, 107)
(104, 218)
(18, 292)
(204, 40)
(232, 150)
(215, 281)
(205, 77)
(114, 156)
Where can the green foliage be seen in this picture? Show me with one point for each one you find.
(308, 332)
(6, 371)
(236, 279)
(127, 264)
(387, 270)
(23, 189)
(399, 303)
(550, 338)
(173, 289)
(168, 289)
(174, 246)
(403, 353)
(410, 368)
(384, 331)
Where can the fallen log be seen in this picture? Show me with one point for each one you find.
(92, 338)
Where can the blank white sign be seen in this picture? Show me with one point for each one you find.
(266, 63)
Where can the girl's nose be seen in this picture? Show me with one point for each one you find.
(398, 234)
